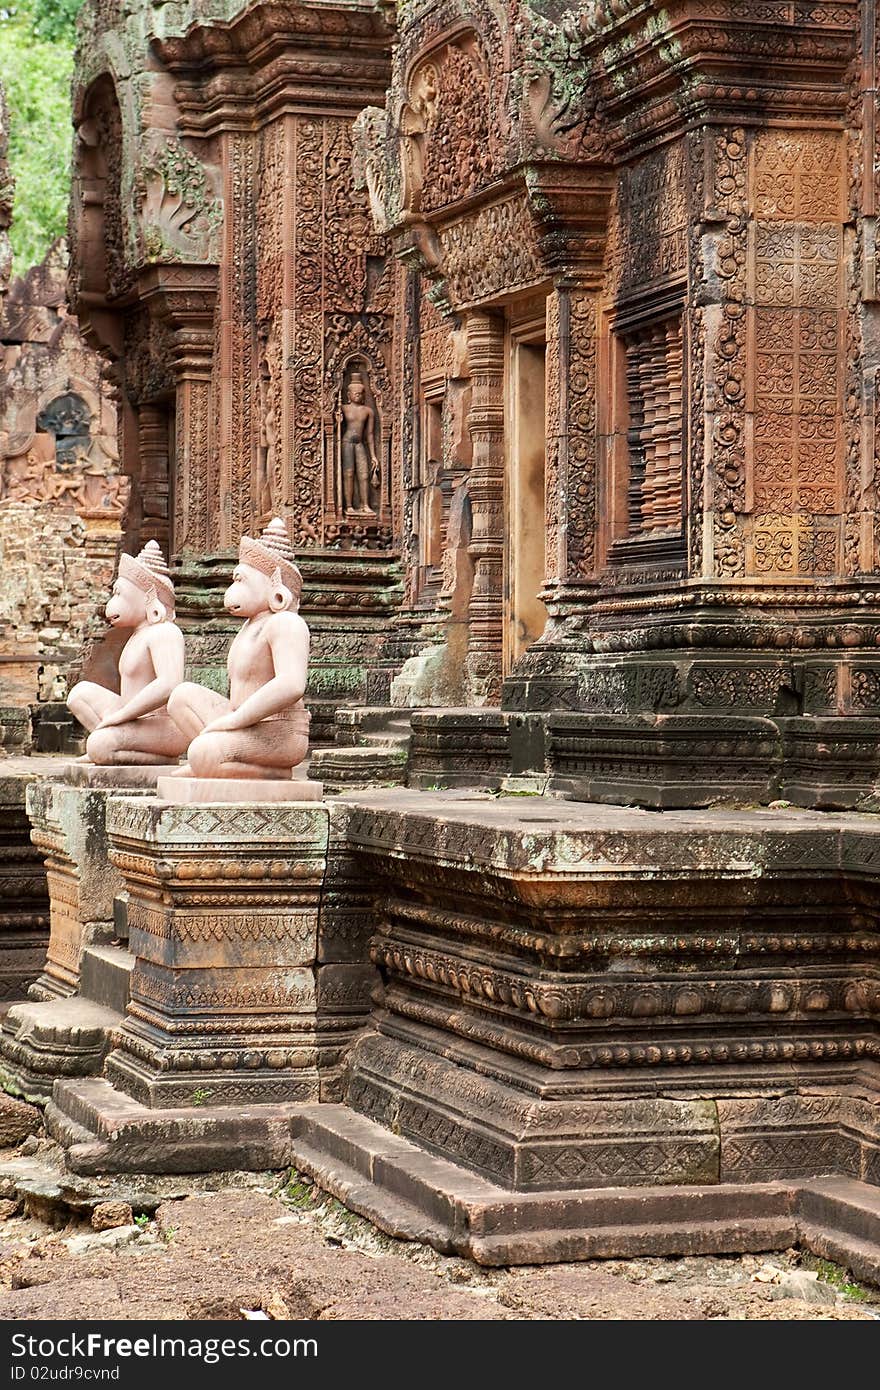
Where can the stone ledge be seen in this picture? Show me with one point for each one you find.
(414, 1196)
(106, 1131)
(61, 1037)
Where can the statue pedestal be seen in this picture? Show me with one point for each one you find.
(241, 1000)
(51, 1037)
(185, 791)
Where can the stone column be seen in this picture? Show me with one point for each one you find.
(485, 340)
(184, 297)
(154, 473)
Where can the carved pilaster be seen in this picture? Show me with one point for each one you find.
(183, 298)
(485, 340)
(570, 489)
(153, 451)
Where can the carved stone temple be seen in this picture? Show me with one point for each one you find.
(551, 334)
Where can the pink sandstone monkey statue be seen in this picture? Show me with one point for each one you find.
(262, 730)
(133, 726)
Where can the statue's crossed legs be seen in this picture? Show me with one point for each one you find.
(150, 739)
(269, 750)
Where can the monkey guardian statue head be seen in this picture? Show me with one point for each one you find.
(265, 578)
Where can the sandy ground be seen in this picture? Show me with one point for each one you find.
(217, 1247)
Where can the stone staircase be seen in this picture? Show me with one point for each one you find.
(69, 1037)
(371, 748)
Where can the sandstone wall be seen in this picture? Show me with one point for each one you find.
(56, 573)
(62, 496)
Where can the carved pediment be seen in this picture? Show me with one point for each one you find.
(449, 145)
(178, 209)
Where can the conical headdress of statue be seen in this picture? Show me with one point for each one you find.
(149, 572)
(273, 555)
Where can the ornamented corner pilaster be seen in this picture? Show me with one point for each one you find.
(485, 342)
(233, 999)
(722, 334)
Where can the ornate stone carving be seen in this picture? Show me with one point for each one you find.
(369, 164)
(490, 253)
(796, 455)
(240, 401)
(179, 212)
(726, 349)
(449, 139)
(239, 1031)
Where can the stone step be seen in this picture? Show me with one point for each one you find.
(55, 1195)
(54, 1038)
(839, 1218)
(106, 1131)
(358, 766)
(105, 976)
(383, 726)
(414, 1195)
(388, 738)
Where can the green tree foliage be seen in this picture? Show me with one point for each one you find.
(54, 20)
(36, 62)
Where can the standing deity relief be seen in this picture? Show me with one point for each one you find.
(359, 473)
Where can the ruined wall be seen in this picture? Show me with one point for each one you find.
(62, 496)
(55, 578)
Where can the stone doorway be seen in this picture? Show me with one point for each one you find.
(525, 515)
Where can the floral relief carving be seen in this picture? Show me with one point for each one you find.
(581, 432)
(490, 253)
(269, 481)
(726, 352)
(795, 332)
(240, 404)
(651, 218)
